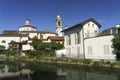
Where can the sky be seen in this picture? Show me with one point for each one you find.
(42, 13)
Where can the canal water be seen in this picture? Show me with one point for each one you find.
(15, 70)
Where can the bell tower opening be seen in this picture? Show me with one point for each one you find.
(59, 25)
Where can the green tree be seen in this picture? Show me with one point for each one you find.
(12, 46)
(36, 42)
(2, 47)
(59, 46)
(116, 45)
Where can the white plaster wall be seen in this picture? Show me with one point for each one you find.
(32, 35)
(97, 44)
(9, 39)
(71, 50)
(39, 36)
(46, 35)
(26, 47)
(27, 29)
(91, 29)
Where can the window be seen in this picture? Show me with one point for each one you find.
(59, 23)
(106, 49)
(3, 41)
(88, 33)
(88, 25)
(89, 49)
(68, 38)
(95, 33)
(77, 38)
(78, 51)
(41, 36)
(69, 51)
(92, 25)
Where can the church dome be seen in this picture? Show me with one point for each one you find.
(27, 26)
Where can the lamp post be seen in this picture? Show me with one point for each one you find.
(20, 48)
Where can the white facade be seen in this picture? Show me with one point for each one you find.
(27, 26)
(29, 32)
(60, 53)
(90, 29)
(99, 48)
(81, 41)
(74, 48)
(44, 36)
(32, 35)
(74, 37)
(6, 40)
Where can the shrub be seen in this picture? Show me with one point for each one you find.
(10, 52)
(87, 61)
(96, 63)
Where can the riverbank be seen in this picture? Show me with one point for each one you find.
(69, 61)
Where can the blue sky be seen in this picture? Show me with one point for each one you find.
(42, 13)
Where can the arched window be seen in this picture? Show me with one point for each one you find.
(59, 23)
(3, 41)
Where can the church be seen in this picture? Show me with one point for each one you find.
(26, 32)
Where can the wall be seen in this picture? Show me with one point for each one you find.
(32, 35)
(27, 28)
(74, 49)
(99, 48)
(90, 29)
(9, 39)
(45, 35)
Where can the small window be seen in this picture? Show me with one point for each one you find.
(41, 36)
(3, 41)
(78, 37)
(88, 25)
(59, 23)
(92, 25)
(68, 38)
(106, 49)
(89, 49)
(95, 32)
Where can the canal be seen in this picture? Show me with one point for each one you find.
(13, 70)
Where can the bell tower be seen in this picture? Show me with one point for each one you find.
(59, 25)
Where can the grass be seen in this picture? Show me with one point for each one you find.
(71, 61)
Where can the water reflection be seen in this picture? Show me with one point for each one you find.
(82, 75)
(10, 70)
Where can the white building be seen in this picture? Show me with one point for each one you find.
(82, 41)
(99, 48)
(27, 32)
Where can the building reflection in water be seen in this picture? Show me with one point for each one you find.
(50, 72)
(66, 74)
(5, 73)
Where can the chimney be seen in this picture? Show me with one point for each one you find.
(118, 26)
(66, 26)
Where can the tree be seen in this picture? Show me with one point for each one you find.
(2, 47)
(36, 42)
(60, 46)
(13, 46)
(116, 45)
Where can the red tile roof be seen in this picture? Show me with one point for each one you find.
(56, 38)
